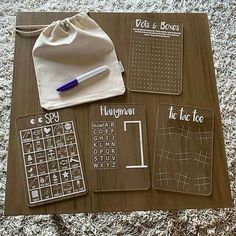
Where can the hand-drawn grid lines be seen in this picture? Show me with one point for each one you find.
(185, 133)
(163, 176)
(185, 168)
(182, 180)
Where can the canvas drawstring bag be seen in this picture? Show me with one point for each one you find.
(68, 48)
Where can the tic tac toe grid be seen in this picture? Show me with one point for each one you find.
(51, 158)
(199, 89)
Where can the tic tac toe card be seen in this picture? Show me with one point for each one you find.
(119, 148)
(51, 157)
(156, 56)
(184, 150)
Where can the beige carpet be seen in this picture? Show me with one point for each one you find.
(222, 16)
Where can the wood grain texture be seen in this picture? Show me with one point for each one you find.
(199, 90)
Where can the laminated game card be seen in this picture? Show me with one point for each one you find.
(184, 150)
(119, 148)
(51, 155)
(156, 56)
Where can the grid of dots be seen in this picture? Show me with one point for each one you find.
(156, 64)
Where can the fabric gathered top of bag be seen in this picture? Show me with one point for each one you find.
(68, 48)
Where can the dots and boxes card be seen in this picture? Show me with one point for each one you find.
(156, 56)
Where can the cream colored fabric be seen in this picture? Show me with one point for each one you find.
(69, 48)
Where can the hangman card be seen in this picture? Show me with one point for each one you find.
(119, 147)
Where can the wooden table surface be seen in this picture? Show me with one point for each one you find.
(199, 90)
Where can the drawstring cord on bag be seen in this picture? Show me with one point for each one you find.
(30, 30)
(35, 30)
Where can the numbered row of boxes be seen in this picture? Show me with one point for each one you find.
(57, 190)
(47, 131)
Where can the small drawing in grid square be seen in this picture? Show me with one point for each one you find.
(31, 171)
(33, 183)
(49, 143)
(68, 128)
(38, 145)
(202, 182)
(37, 133)
(55, 178)
(182, 180)
(183, 157)
(40, 156)
(70, 138)
(67, 187)
(52, 166)
(203, 135)
(42, 168)
(164, 154)
(26, 136)
(51, 154)
(47, 131)
(57, 190)
(166, 131)
(44, 180)
(203, 160)
(34, 195)
(28, 147)
(63, 163)
(46, 193)
(61, 152)
(65, 176)
(78, 185)
(74, 161)
(185, 134)
(163, 176)
(29, 159)
(57, 129)
(76, 173)
(59, 141)
(72, 150)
